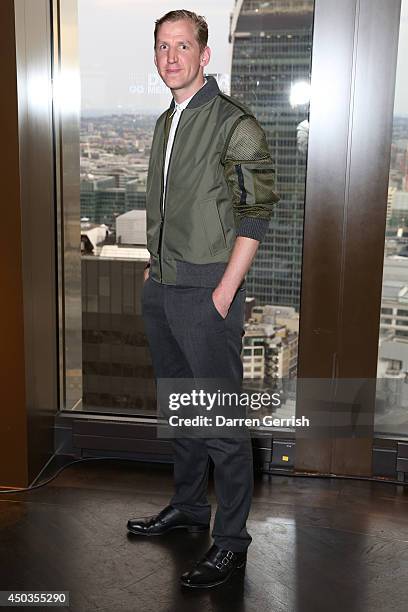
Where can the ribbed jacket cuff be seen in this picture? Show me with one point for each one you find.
(252, 227)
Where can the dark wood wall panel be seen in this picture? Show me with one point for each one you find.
(28, 278)
(13, 424)
(353, 74)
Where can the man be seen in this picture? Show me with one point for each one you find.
(210, 194)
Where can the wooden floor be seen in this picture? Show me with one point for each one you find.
(318, 545)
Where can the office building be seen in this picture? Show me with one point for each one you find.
(271, 56)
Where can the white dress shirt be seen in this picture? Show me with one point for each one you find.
(178, 108)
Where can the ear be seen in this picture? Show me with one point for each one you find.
(154, 59)
(205, 56)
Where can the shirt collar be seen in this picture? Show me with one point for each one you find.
(182, 105)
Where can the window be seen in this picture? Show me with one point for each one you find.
(392, 370)
(265, 63)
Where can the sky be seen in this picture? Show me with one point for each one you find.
(116, 52)
(401, 86)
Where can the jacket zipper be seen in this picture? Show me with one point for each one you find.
(163, 199)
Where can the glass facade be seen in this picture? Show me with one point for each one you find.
(392, 370)
(271, 65)
(270, 72)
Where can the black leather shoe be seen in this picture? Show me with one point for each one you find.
(215, 568)
(169, 518)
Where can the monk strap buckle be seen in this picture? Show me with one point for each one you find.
(225, 560)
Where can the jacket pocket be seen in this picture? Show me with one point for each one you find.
(213, 229)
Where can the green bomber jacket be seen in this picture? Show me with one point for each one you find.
(220, 185)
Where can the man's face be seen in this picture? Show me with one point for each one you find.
(178, 58)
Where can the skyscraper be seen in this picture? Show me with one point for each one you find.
(271, 59)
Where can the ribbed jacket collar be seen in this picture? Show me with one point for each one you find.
(203, 95)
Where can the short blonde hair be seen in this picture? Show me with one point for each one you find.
(199, 23)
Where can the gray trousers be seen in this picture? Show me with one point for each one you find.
(189, 338)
